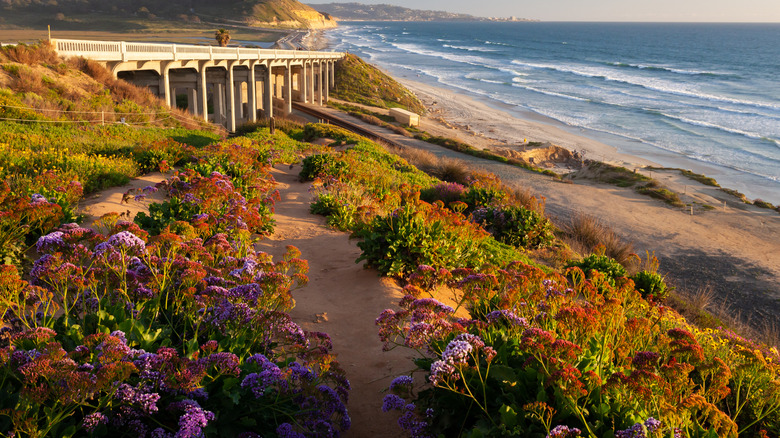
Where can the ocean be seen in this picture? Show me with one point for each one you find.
(704, 97)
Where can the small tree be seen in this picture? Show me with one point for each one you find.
(223, 37)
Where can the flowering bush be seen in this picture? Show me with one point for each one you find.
(211, 204)
(446, 192)
(27, 216)
(127, 334)
(549, 360)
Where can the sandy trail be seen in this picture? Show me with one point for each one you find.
(342, 299)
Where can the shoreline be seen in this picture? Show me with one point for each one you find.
(506, 126)
(597, 145)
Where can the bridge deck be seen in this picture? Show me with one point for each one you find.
(107, 51)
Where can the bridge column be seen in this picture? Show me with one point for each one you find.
(252, 93)
(202, 93)
(326, 82)
(268, 92)
(304, 84)
(219, 103)
(165, 84)
(192, 101)
(288, 88)
(332, 73)
(238, 107)
(311, 83)
(230, 88)
(319, 84)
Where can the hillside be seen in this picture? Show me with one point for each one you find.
(287, 13)
(36, 84)
(360, 82)
(384, 12)
(137, 16)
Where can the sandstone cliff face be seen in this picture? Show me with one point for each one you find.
(315, 19)
(288, 14)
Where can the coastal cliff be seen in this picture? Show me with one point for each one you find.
(288, 14)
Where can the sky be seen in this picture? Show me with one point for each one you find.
(766, 11)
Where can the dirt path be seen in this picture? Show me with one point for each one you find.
(342, 299)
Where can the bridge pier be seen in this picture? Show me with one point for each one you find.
(304, 84)
(202, 94)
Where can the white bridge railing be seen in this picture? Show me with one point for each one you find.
(127, 51)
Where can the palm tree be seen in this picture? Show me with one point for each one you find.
(222, 36)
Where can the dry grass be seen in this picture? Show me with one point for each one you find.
(418, 158)
(584, 233)
(58, 90)
(452, 170)
(30, 55)
(524, 197)
(702, 308)
(29, 81)
(446, 169)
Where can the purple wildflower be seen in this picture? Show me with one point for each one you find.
(506, 316)
(474, 340)
(37, 197)
(52, 241)
(258, 383)
(411, 423)
(123, 241)
(640, 430)
(145, 402)
(249, 268)
(194, 419)
(401, 381)
(285, 430)
(161, 433)
(457, 352)
(564, 432)
(392, 402)
(440, 370)
(92, 421)
(652, 424)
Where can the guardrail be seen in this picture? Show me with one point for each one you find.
(130, 51)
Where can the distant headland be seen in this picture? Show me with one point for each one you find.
(384, 12)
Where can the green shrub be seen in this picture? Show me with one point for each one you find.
(341, 215)
(321, 164)
(601, 263)
(154, 156)
(651, 283)
(516, 226)
(420, 234)
(483, 196)
(162, 215)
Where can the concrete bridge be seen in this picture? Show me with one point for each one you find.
(226, 85)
